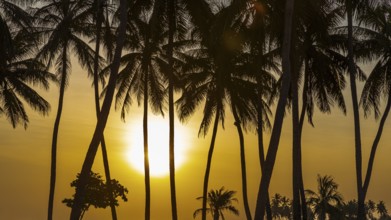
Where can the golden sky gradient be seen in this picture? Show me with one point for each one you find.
(25, 159)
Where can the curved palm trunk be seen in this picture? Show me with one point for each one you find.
(103, 116)
(296, 153)
(301, 123)
(357, 134)
(208, 165)
(97, 108)
(375, 145)
(243, 163)
(279, 117)
(146, 152)
(261, 149)
(171, 30)
(53, 168)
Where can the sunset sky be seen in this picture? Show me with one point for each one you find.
(25, 159)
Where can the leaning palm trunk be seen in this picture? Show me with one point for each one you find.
(374, 146)
(279, 116)
(171, 31)
(208, 165)
(53, 168)
(357, 134)
(261, 148)
(296, 153)
(103, 116)
(243, 163)
(97, 107)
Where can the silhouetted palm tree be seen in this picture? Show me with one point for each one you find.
(326, 200)
(378, 83)
(99, 17)
(142, 76)
(105, 110)
(219, 201)
(281, 207)
(279, 115)
(18, 72)
(60, 26)
(355, 8)
(211, 74)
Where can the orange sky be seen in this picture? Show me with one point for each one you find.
(25, 157)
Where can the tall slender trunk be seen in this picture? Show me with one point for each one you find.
(357, 134)
(99, 20)
(296, 157)
(279, 117)
(216, 215)
(261, 150)
(242, 163)
(301, 123)
(146, 152)
(208, 165)
(171, 31)
(103, 116)
(53, 167)
(375, 145)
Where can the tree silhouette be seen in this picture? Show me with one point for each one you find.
(98, 193)
(326, 200)
(102, 120)
(60, 27)
(142, 77)
(18, 72)
(219, 201)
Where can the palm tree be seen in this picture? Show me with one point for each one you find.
(281, 207)
(18, 72)
(219, 201)
(378, 83)
(142, 76)
(105, 110)
(279, 115)
(98, 8)
(61, 24)
(211, 74)
(382, 211)
(357, 8)
(322, 68)
(325, 201)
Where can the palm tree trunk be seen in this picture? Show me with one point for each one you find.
(301, 123)
(146, 152)
(296, 157)
(171, 31)
(53, 167)
(216, 215)
(375, 145)
(261, 148)
(243, 163)
(103, 116)
(279, 117)
(97, 106)
(208, 165)
(357, 134)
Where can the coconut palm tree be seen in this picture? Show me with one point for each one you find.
(382, 211)
(219, 201)
(378, 84)
(61, 25)
(18, 72)
(211, 73)
(105, 110)
(142, 76)
(279, 115)
(355, 9)
(325, 201)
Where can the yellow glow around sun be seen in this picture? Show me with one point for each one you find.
(158, 132)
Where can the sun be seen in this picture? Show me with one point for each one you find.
(158, 136)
